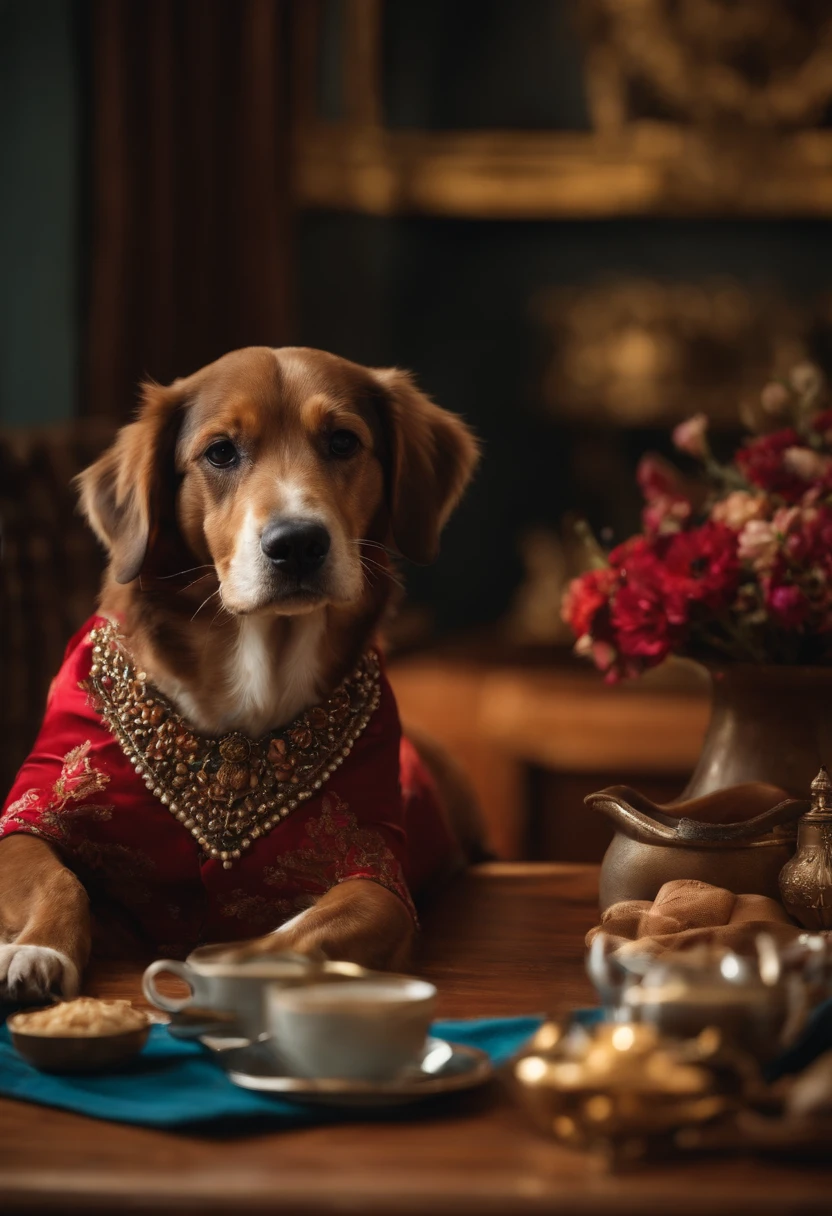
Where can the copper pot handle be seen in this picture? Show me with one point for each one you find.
(784, 812)
(630, 819)
(649, 824)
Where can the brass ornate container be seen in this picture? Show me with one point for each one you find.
(806, 879)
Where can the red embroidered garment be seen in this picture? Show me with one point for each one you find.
(376, 817)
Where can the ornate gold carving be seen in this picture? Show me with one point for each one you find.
(806, 880)
(763, 63)
(676, 89)
(638, 351)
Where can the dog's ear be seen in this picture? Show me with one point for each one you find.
(129, 494)
(432, 457)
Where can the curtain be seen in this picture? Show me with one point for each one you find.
(189, 208)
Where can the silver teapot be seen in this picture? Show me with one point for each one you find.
(681, 993)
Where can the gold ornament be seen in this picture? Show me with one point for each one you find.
(226, 792)
(806, 879)
(618, 1088)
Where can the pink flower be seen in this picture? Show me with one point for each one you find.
(785, 518)
(789, 605)
(737, 508)
(665, 515)
(807, 464)
(691, 436)
(775, 398)
(806, 379)
(602, 653)
(658, 479)
(668, 506)
(758, 544)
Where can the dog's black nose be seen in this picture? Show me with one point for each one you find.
(297, 547)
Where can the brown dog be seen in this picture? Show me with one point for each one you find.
(248, 514)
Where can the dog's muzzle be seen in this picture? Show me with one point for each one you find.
(296, 548)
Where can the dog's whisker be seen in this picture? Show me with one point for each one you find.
(205, 601)
(188, 586)
(216, 616)
(222, 609)
(372, 561)
(179, 573)
(369, 573)
(367, 563)
(373, 544)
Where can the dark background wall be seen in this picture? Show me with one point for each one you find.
(41, 142)
(454, 300)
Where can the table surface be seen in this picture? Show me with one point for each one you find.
(505, 939)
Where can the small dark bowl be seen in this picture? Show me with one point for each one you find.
(78, 1053)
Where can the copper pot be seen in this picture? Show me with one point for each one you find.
(654, 844)
(733, 827)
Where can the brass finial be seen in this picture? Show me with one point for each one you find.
(806, 879)
(821, 789)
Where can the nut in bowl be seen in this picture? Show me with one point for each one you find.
(85, 1035)
(366, 1030)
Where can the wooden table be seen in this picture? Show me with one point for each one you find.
(507, 939)
(503, 721)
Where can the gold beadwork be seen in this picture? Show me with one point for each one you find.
(230, 791)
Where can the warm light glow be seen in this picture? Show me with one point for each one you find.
(623, 1038)
(730, 967)
(547, 1036)
(531, 1070)
(598, 1108)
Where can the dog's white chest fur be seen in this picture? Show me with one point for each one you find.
(265, 689)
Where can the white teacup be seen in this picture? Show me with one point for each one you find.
(368, 1030)
(238, 988)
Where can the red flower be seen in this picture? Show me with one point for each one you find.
(585, 597)
(642, 627)
(822, 425)
(701, 565)
(646, 622)
(664, 579)
(762, 462)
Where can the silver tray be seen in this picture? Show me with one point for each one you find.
(445, 1068)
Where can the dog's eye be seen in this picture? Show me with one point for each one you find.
(343, 443)
(222, 454)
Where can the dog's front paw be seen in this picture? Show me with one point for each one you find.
(34, 973)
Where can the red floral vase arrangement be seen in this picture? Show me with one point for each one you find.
(733, 568)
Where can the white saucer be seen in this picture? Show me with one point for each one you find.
(444, 1068)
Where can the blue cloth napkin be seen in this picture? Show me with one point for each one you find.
(178, 1085)
(175, 1084)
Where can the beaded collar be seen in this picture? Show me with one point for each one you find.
(228, 791)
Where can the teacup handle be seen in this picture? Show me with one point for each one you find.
(168, 1003)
